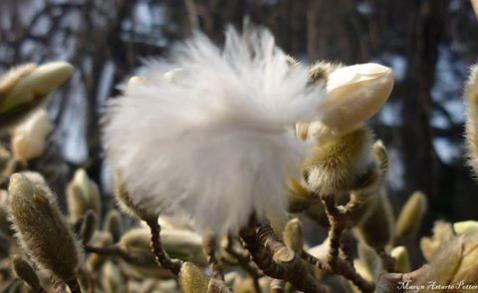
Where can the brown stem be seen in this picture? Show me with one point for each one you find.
(161, 256)
(113, 251)
(337, 216)
(73, 285)
(209, 244)
(276, 260)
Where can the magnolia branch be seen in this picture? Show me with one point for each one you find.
(276, 260)
(337, 216)
(161, 256)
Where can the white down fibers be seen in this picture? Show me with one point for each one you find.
(213, 141)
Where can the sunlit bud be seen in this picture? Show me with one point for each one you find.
(88, 226)
(410, 218)
(113, 280)
(114, 224)
(192, 279)
(465, 227)
(181, 244)
(37, 83)
(25, 88)
(41, 229)
(376, 230)
(82, 195)
(293, 235)
(25, 272)
(341, 165)
(9, 80)
(354, 94)
(402, 260)
(29, 138)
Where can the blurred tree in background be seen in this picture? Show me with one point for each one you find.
(429, 44)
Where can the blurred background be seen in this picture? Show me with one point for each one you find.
(430, 45)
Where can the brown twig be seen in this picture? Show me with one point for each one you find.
(209, 244)
(161, 256)
(113, 251)
(337, 216)
(276, 260)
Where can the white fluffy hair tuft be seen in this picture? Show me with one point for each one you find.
(214, 140)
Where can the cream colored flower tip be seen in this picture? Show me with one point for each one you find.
(465, 227)
(29, 138)
(354, 94)
(38, 82)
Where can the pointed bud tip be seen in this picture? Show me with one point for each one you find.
(19, 184)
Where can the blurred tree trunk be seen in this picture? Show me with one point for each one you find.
(422, 166)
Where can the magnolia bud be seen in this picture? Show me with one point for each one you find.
(354, 94)
(410, 218)
(88, 226)
(192, 279)
(41, 229)
(376, 230)
(340, 165)
(114, 224)
(25, 88)
(25, 272)
(82, 195)
(8, 81)
(39, 82)
(465, 227)
(402, 260)
(137, 243)
(113, 280)
(293, 235)
(29, 138)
